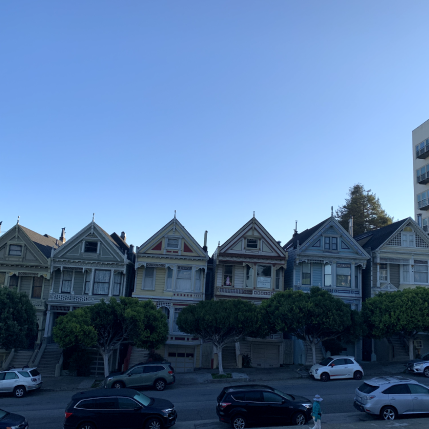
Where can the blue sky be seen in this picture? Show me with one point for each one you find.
(212, 108)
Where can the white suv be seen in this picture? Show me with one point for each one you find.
(337, 367)
(19, 381)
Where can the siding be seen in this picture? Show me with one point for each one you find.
(317, 274)
(78, 283)
(297, 270)
(239, 276)
(160, 280)
(219, 276)
(46, 288)
(25, 286)
(139, 281)
(394, 274)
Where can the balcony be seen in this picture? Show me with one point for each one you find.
(338, 291)
(71, 298)
(251, 293)
(423, 204)
(422, 152)
(423, 178)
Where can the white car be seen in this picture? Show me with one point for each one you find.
(19, 381)
(337, 367)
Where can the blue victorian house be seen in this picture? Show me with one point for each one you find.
(328, 257)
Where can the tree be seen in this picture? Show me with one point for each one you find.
(403, 312)
(18, 322)
(107, 324)
(311, 317)
(366, 210)
(220, 322)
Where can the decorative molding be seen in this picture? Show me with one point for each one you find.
(242, 291)
(72, 298)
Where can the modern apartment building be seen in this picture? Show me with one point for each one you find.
(421, 175)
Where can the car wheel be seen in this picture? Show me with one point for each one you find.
(87, 426)
(324, 376)
(238, 422)
(388, 413)
(118, 385)
(153, 424)
(426, 371)
(299, 419)
(19, 392)
(357, 375)
(159, 384)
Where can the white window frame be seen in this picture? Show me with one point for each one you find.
(251, 248)
(149, 285)
(170, 247)
(167, 270)
(71, 284)
(87, 278)
(278, 277)
(404, 271)
(408, 238)
(177, 311)
(16, 245)
(232, 275)
(120, 283)
(384, 278)
(190, 287)
(415, 271)
(327, 274)
(109, 283)
(271, 276)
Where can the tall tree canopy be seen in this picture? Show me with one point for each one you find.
(18, 322)
(312, 317)
(107, 324)
(366, 210)
(404, 312)
(220, 322)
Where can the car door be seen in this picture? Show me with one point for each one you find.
(128, 416)
(276, 408)
(100, 410)
(349, 367)
(150, 374)
(338, 368)
(10, 381)
(135, 377)
(254, 406)
(2, 383)
(420, 397)
(399, 395)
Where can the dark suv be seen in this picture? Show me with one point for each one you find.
(118, 409)
(263, 405)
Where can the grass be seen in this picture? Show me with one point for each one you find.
(220, 376)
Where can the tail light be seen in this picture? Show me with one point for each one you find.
(68, 414)
(223, 405)
(171, 372)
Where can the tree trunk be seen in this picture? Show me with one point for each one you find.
(411, 348)
(106, 362)
(219, 355)
(313, 350)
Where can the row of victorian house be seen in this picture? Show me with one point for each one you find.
(173, 270)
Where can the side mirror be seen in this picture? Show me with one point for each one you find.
(332, 365)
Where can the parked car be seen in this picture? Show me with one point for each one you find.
(258, 404)
(118, 409)
(419, 366)
(389, 397)
(11, 420)
(156, 374)
(19, 381)
(337, 367)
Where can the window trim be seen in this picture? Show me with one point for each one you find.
(258, 243)
(91, 241)
(173, 238)
(108, 283)
(232, 275)
(16, 245)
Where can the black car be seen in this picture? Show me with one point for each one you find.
(263, 405)
(10, 420)
(118, 409)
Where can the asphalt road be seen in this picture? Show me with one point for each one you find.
(45, 409)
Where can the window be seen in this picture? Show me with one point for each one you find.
(91, 247)
(419, 220)
(330, 243)
(66, 283)
(272, 397)
(172, 243)
(101, 282)
(87, 282)
(10, 376)
(149, 278)
(422, 200)
(37, 287)
(407, 238)
(249, 276)
(184, 278)
(176, 315)
(416, 388)
(334, 243)
(337, 362)
(397, 389)
(343, 275)
(251, 243)
(227, 275)
(327, 241)
(166, 311)
(254, 396)
(405, 274)
(278, 278)
(13, 281)
(24, 374)
(328, 275)
(263, 276)
(136, 370)
(383, 272)
(169, 284)
(306, 274)
(127, 404)
(238, 396)
(420, 271)
(153, 368)
(117, 283)
(197, 280)
(15, 250)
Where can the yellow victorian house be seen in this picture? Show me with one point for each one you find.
(171, 270)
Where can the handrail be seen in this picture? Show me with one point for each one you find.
(7, 362)
(41, 351)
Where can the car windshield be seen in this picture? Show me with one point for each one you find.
(143, 399)
(325, 362)
(285, 395)
(3, 414)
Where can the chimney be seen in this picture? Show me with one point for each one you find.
(351, 226)
(295, 231)
(124, 236)
(130, 253)
(205, 242)
(279, 243)
(0, 226)
(63, 235)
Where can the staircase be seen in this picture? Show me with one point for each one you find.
(21, 358)
(137, 356)
(229, 359)
(49, 360)
(309, 354)
(400, 350)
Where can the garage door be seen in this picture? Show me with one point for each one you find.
(181, 358)
(265, 355)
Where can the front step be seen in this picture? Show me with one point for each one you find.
(400, 353)
(309, 355)
(229, 359)
(48, 362)
(21, 358)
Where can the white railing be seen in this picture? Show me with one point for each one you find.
(70, 297)
(188, 295)
(333, 290)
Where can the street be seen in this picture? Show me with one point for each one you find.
(45, 409)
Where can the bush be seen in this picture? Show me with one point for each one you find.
(333, 345)
(154, 357)
(77, 360)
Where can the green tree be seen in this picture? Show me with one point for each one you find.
(107, 324)
(18, 322)
(403, 312)
(312, 317)
(220, 322)
(366, 210)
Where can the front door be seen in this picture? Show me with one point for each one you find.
(420, 396)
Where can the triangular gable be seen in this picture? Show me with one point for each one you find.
(395, 239)
(388, 288)
(171, 239)
(253, 228)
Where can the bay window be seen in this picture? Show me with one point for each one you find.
(306, 273)
(184, 277)
(263, 276)
(117, 283)
(67, 280)
(405, 274)
(101, 282)
(278, 278)
(36, 291)
(13, 281)
(343, 275)
(169, 284)
(383, 272)
(176, 315)
(197, 280)
(149, 278)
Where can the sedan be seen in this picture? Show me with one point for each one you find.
(10, 420)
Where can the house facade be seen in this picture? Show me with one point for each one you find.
(250, 265)
(328, 257)
(171, 270)
(399, 259)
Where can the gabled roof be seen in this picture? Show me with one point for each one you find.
(374, 239)
(43, 242)
(118, 240)
(303, 236)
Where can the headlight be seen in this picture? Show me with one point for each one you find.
(110, 379)
(307, 405)
(167, 411)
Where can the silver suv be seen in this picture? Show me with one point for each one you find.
(389, 397)
(19, 381)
